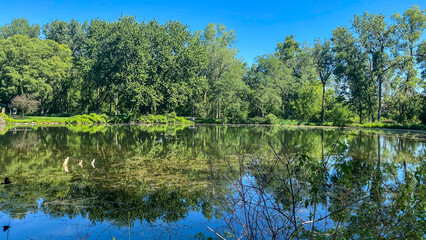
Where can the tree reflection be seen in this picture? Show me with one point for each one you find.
(323, 183)
(355, 191)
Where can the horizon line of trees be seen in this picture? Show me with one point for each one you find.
(372, 70)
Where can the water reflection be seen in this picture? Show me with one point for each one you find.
(129, 176)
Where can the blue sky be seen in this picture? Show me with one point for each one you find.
(259, 25)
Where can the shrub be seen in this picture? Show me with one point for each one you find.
(6, 119)
(169, 118)
(171, 115)
(271, 118)
(27, 103)
(87, 119)
(340, 115)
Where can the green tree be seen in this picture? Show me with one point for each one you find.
(352, 72)
(20, 26)
(175, 68)
(117, 62)
(71, 33)
(410, 27)
(325, 66)
(263, 79)
(376, 39)
(33, 66)
(222, 69)
(302, 101)
(421, 58)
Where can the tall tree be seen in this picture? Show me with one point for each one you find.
(118, 61)
(71, 33)
(376, 38)
(302, 81)
(221, 58)
(421, 58)
(266, 82)
(410, 27)
(325, 65)
(352, 70)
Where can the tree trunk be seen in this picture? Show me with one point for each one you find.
(22, 89)
(379, 112)
(283, 102)
(98, 102)
(116, 105)
(42, 108)
(110, 105)
(323, 102)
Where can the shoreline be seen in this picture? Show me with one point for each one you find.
(57, 123)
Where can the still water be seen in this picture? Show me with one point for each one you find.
(163, 182)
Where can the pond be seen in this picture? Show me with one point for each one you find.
(165, 182)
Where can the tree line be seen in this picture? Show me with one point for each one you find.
(372, 70)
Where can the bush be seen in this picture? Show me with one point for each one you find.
(340, 115)
(5, 119)
(171, 115)
(271, 118)
(169, 118)
(87, 119)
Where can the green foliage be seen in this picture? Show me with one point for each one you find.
(169, 118)
(34, 66)
(147, 68)
(87, 119)
(421, 58)
(423, 111)
(392, 126)
(20, 26)
(5, 119)
(271, 118)
(340, 115)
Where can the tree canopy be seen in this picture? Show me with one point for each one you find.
(372, 70)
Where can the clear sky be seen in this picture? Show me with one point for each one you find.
(259, 25)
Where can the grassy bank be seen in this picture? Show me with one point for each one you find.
(172, 119)
(285, 122)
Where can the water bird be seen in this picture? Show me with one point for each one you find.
(80, 163)
(66, 161)
(6, 181)
(5, 228)
(65, 164)
(93, 163)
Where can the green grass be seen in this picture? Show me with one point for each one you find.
(42, 119)
(169, 119)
